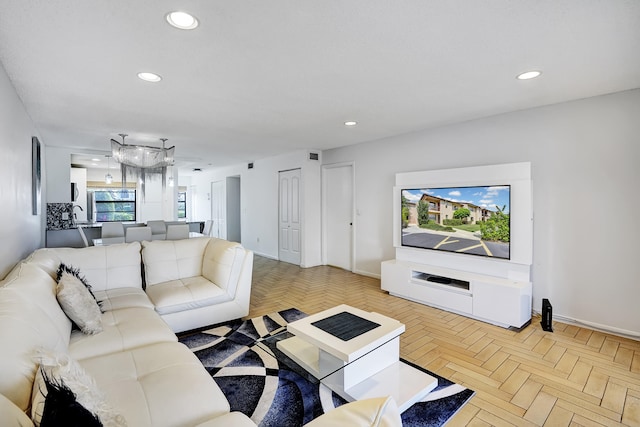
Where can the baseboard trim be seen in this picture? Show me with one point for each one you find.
(266, 255)
(595, 326)
(366, 273)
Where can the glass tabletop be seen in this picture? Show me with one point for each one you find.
(269, 344)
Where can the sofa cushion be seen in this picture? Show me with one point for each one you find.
(158, 385)
(12, 416)
(123, 329)
(222, 264)
(78, 303)
(117, 298)
(166, 260)
(185, 294)
(30, 317)
(105, 267)
(45, 259)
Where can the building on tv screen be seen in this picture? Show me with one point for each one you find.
(468, 220)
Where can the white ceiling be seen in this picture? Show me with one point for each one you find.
(259, 78)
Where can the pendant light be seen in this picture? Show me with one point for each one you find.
(108, 179)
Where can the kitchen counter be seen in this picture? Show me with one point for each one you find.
(70, 237)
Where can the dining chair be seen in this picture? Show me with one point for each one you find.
(177, 232)
(208, 225)
(112, 232)
(138, 234)
(158, 229)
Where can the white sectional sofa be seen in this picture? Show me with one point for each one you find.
(142, 373)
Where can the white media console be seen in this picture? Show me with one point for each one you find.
(496, 300)
(498, 291)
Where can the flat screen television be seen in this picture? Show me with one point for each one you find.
(467, 220)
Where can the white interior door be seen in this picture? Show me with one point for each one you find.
(338, 206)
(217, 211)
(289, 217)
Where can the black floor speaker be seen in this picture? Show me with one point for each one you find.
(547, 312)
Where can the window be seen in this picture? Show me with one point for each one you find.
(182, 204)
(115, 204)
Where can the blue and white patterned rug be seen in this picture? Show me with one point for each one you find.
(257, 380)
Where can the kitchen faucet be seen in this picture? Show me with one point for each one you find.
(75, 217)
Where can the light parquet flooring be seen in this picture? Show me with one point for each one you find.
(571, 377)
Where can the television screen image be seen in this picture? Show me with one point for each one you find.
(468, 220)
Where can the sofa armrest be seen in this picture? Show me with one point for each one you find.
(222, 264)
(378, 412)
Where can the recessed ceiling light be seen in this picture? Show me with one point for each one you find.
(350, 123)
(528, 75)
(182, 20)
(149, 77)
(95, 160)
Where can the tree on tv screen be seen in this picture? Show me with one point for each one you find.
(423, 213)
(405, 213)
(462, 214)
(496, 228)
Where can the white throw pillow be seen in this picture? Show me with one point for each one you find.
(78, 304)
(373, 412)
(61, 370)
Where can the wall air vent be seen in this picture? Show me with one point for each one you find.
(250, 165)
(314, 156)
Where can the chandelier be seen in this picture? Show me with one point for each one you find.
(139, 162)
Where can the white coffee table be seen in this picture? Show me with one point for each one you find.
(365, 366)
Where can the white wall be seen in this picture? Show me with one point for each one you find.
(97, 174)
(585, 159)
(259, 202)
(58, 176)
(157, 202)
(20, 231)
